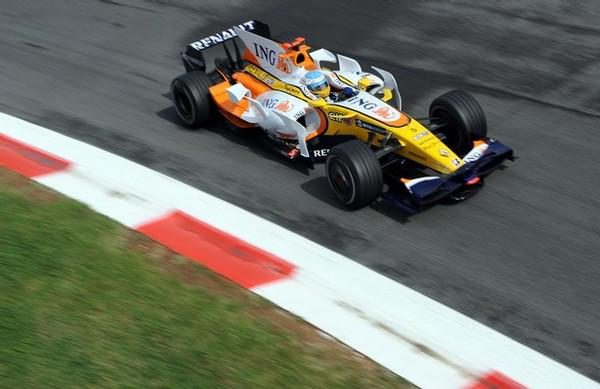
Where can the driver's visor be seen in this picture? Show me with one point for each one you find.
(319, 86)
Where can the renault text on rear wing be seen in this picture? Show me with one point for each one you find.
(225, 35)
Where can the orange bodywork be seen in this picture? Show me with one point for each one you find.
(296, 52)
(255, 86)
(232, 111)
(321, 128)
(402, 121)
(248, 56)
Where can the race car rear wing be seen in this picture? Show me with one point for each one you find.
(193, 59)
(225, 35)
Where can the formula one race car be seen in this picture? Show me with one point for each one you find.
(350, 118)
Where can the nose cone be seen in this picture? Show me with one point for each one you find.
(421, 145)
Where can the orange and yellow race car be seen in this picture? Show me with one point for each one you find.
(349, 118)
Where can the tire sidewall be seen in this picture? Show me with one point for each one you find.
(179, 89)
(354, 174)
(465, 117)
(191, 96)
(458, 127)
(336, 165)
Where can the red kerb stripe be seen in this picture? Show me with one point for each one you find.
(221, 252)
(495, 380)
(28, 160)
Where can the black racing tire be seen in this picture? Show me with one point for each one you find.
(354, 174)
(464, 118)
(191, 97)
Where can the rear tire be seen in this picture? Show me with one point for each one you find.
(465, 120)
(354, 174)
(191, 97)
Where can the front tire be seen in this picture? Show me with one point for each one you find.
(354, 174)
(464, 118)
(191, 97)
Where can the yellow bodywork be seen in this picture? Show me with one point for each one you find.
(417, 143)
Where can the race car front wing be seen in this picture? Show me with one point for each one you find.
(419, 192)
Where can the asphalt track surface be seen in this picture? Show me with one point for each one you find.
(521, 256)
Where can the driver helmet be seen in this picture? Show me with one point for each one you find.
(316, 82)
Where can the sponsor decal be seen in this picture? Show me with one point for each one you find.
(284, 106)
(258, 72)
(320, 153)
(421, 135)
(299, 114)
(306, 92)
(281, 106)
(271, 81)
(289, 88)
(372, 105)
(283, 65)
(384, 112)
(473, 156)
(221, 37)
(370, 127)
(476, 153)
(444, 153)
(270, 103)
(293, 153)
(265, 53)
(339, 117)
(335, 81)
(364, 103)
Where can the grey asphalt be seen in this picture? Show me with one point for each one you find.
(521, 256)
